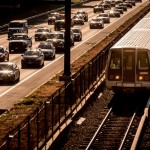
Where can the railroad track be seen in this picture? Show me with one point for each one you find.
(118, 128)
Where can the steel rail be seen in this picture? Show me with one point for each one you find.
(99, 128)
(140, 127)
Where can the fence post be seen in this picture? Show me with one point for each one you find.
(19, 136)
(28, 132)
(37, 128)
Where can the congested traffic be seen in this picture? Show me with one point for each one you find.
(49, 40)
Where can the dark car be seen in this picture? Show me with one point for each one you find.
(78, 20)
(120, 6)
(129, 5)
(77, 33)
(114, 13)
(106, 5)
(84, 14)
(20, 42)
(4, 53)
(71, 37)
(96, 23)
(58, 39)
(59, 25)
(120, 10)
(98, 8)
(53, 17)
(42, 34)
(9, 72)
(34, 57)
(132, 2)
(105, 17)
(48, 50)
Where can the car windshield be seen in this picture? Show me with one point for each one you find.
(6, 67)
(75, 30)
(96, 19)
(19, 37)
(16, 24)
(31, 53)
(1, 50)
(45, 46)
(103, 15)
(56, 36)
(42, 30)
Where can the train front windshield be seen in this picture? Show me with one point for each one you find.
(128, 66)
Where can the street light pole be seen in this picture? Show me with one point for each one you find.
(67, 72)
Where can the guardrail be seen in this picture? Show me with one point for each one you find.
(4, 28)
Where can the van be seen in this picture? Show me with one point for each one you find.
(17, 26)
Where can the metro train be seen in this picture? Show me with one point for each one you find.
(128, 66)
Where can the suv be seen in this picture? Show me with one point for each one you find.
(17, 26)
(71, 37)
(53, 17)
(20, 42)
(59, 24)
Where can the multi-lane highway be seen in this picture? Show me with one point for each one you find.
(33, 78)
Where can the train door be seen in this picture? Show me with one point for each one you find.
(129, 66)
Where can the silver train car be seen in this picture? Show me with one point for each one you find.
(128, 66)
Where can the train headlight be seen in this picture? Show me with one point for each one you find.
(117, 77)
(140, 77)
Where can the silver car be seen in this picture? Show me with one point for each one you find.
(9, 72)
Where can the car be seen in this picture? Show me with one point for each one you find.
(84, 14)
(33, 57)
(114, 13)
(71, 37)
(121, 6)
(131, 1)
(96, 23)
(42, 34)
(78, 20)
(129, 5)
(20, 42)
(4, 53)
(98, 8)
(105, 17)
(58, 40)
(59, 25)
(48, 50)
(118, 1)
(77, 33)
(53, 17)
(120, 10)
(9, 72)
(106, 5)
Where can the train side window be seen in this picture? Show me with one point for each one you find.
(143, 63)
(115, 60)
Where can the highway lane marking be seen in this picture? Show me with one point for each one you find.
(58, 58)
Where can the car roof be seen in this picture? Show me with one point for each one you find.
(8, 62)
(20, 34)
(19, 21)
(57, 32)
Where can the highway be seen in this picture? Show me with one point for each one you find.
(33, 78)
